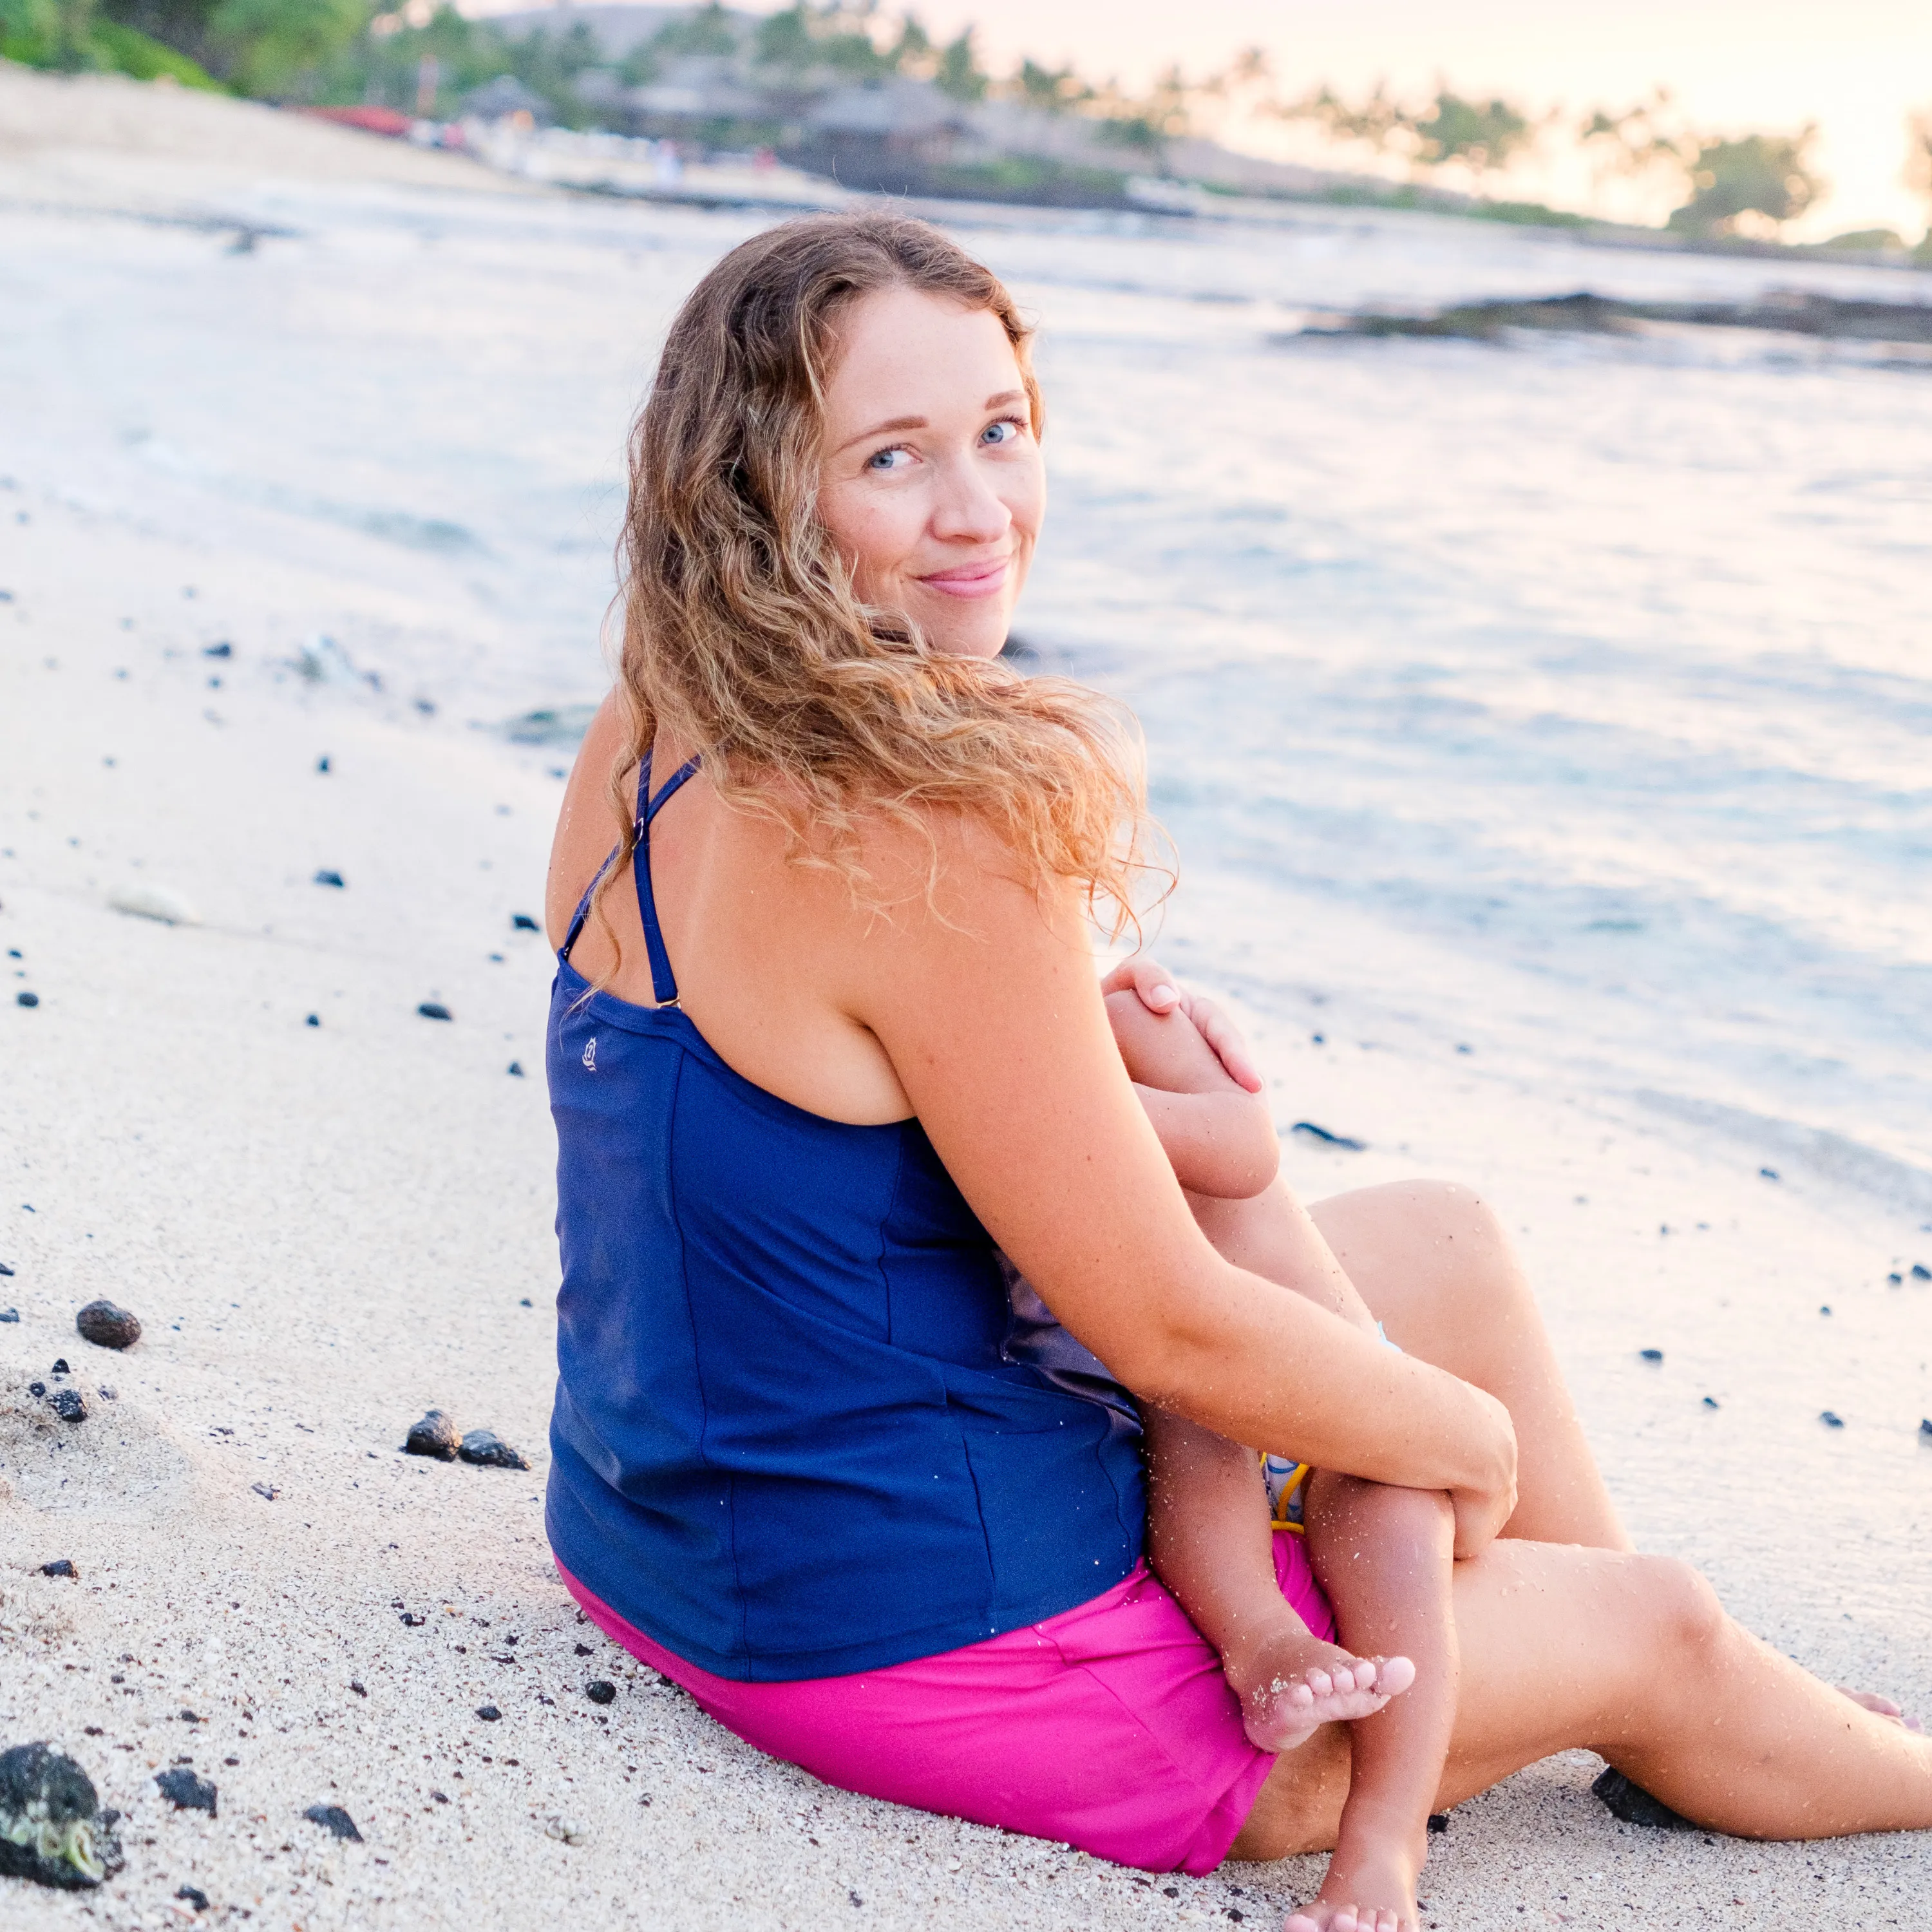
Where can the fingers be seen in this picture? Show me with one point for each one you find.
(1151, 981)
(1221, 1033)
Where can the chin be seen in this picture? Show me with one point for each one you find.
(968, 633)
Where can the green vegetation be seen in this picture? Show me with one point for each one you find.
(68, 36)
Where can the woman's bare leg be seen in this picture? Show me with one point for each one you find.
(1630, 1657)
(1434, 1263)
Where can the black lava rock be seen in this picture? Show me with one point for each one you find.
(60, 1566)
(26, 999)
(1439, 1822)
(1925, 1426)
(6, 1267)
(37, 1388)
(1650, 1354)
(108, 1326)
(521, 922)
(52, 1829)
(195, 1897)
(412, 1620)
(1769, 1173)
(326, 877)
(435, 1435)
(9, 1315)
(1920, 1272)
(185, 1792)
(313, 1020)
(218, 651)
(486, 1449)
(1635, 1806)
(488, 1713)
(69, 1404)
(1327, 1139)
(584, 1649)
(516, 1069)
(333, 1818)
(601, 1690)
(321, 763)
(1830, 1420)
(60, 1367)
(1710, 1402)
(434, 1010)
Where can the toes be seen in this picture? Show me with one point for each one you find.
(1320, 1683)
(1397, 1675)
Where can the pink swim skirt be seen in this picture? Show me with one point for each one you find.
(1109, 1727)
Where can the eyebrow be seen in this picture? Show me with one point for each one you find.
(920, 422)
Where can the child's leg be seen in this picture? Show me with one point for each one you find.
(1208, 1537)
(1384, 1557)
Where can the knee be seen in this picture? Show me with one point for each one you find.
(1468, 1241)
(1682, 1612)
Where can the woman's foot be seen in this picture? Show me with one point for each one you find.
(1374, 1892)
(1879, 1707)
(1290, 1683)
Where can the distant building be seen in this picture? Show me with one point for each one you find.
(506, 96)
(884, 139)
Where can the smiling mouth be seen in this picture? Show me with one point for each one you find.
(971, 579)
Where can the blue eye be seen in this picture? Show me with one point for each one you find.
(1003, 431)
(884, 460)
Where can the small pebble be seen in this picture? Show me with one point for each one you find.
(521, 922)
(527, 1303)
(6, 1267)
(1830, 1420)
(108, 1326)
(434, 1435)
(434, 1010)
(584, 1649)
(333, 1818)
(37, 1388)
(26, 999)
(52, 1829)
(69, 1404)
(187, 1792)
(1769, 1173)
(313, 1019)
(60, 1367)
(218, 650)
(145, 901)
(1925, 1426)
(516, 1069)
(195, 1896)
(1651, 1354)
(488, 1450)
(1920, 1272)
(326, 877)
(321, 763)
(9, 1315)
(60, 1566)
(601, 1690)
(488, 1713)
(1895, 1280)
(357, 1688)
(268, 1492)
(1710, 1402)
(567, 1830)
(1439, 1821)
(1824, 1308)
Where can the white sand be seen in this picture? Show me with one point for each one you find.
(326, 1230)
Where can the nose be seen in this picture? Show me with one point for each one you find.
(966, 508)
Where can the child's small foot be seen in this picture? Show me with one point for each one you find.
(1375, 1893)
(1290, 1683)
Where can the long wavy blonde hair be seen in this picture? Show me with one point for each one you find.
(742, 633)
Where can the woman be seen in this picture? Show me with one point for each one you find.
(828, 1030)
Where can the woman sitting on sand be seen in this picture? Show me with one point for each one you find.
(827, 1043)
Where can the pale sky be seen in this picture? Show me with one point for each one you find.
(1856, 67)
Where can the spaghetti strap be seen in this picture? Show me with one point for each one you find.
(648, 808)
(663, 983)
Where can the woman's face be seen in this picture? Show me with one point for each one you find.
(931, 484)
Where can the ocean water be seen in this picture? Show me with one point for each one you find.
(1569, 703)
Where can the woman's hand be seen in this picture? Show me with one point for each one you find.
(1482, 1509)
(1157, 992)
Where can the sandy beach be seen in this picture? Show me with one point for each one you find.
(331, 1213)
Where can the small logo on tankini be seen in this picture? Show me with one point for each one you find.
(590, 1054)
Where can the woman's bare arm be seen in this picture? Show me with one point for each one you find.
(988, 1008)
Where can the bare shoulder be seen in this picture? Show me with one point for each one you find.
(586, 828)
